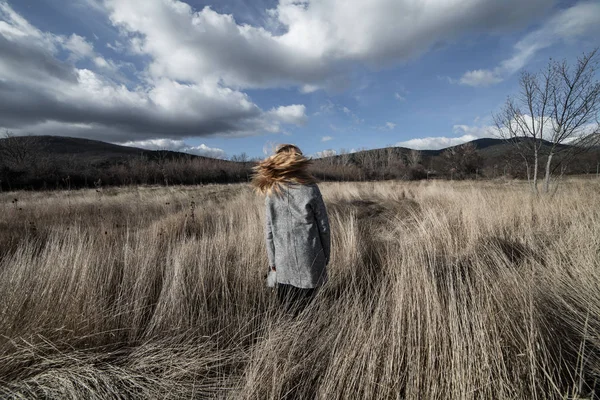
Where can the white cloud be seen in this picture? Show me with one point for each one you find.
(326, 138)
(13, 25)
(325, 153)
(109, 67)
(269, 147)
(118, 47)
(326, 108)
(330, 108)
(334, 128)
(309, 88)
(399, 97)
(93, 4)
(294, 114)
(543, 127)
(79, 47)
(435, 143)
(467, 133)
(388, 126)
(478, 131)
(464, 134)
(177, 145)
(479, 77)
(203, 150)
(355, 118)
(306, 43)
(579, 21)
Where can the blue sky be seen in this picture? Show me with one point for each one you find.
(221, 78)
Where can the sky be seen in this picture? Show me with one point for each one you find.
(221, 78)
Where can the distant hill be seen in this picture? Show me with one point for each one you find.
(34, 162)
(92, 151)
(96, 151)
(55, 161)
(493, 158)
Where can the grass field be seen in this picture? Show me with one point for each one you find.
(438, 290)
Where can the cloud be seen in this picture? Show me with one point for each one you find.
(14, 26)
(326, 138)
(544, 128)
(325, 153)
(294, 114)
(388, 126)
(306, 43)
(579, 21)
(330, 108)
(435, 143)
(269, 147)
(196, 64)
(465, 133)
(399, 97)
(355, 118)
(177, 145)
(206, 45)
(93, 4)
(79, 47)
(309, 88)
(117, 47)
(479, 131)
(327, 108)
(40, 93)
(479, 77)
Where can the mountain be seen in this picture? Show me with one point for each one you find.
(96, 151)
(34, 162)
(58, 162)
(486, 157)
(92, 151)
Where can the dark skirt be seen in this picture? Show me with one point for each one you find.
(293, 299)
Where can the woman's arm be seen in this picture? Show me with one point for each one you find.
(322, 222)
(269, 236)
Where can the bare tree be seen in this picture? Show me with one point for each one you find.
(365, 161)
(344, 158)
(241, 158)
(414, 158)
(462, 160)
(575, 108)
(523, 119)
(555, 113)
(17, 151)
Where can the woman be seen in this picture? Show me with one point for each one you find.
(297, 227)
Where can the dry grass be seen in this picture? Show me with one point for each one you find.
(438, 291)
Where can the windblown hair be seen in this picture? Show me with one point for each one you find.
(287, 166)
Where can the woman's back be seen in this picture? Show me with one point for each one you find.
(298, 239)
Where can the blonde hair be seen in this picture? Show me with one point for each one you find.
(287, 165)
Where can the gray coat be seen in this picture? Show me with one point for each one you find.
(297, 233)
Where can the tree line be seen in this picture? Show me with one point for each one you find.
(24, 166)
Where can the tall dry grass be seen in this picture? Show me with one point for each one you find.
(437, 290)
